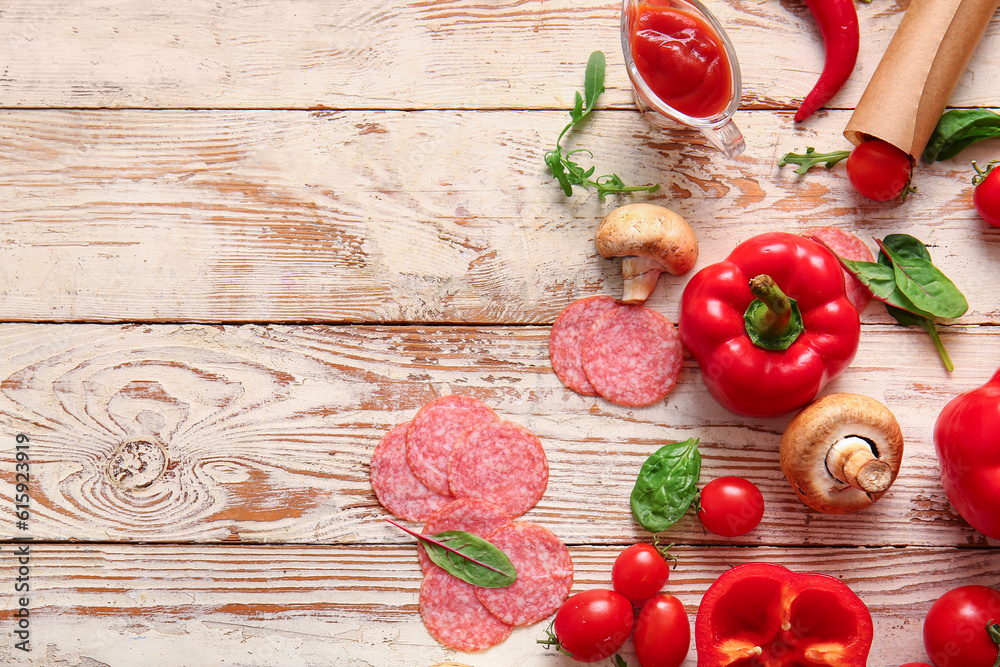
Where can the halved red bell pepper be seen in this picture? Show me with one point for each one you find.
(770, 325)
(765, 615)
(967, 439)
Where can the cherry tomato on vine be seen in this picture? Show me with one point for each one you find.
(879, 170)
(731, 506)
(639, 572)
(662, 633)
(957, 630)
(594, 624)
(986, 196)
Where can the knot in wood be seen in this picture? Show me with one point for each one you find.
(137, 464)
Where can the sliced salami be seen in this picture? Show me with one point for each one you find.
(472, 516)
(544, 574)
(848, 246)
(433, 434)
(632, 356)
(566, 340)
(454, 615)
(395, 485)
(501, 462)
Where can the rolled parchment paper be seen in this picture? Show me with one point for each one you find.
(918, 72)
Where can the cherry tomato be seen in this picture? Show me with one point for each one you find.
(955, 630)
(731, 506)
(662, 633)
(986, 197)
(879, 170)
(594, 624)
(639, 572)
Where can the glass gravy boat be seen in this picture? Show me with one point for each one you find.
(719, 129)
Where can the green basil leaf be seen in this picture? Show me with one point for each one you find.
(666, 485)
(925, 285)
(958, 129)
(593, 82)
(468, 557)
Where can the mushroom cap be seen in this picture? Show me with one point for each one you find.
(650, 231)
(810, 435)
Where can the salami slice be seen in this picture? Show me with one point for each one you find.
(472, 516)
(633, 356)
(544, 574)
(433, 434)
(454, 615)
(848, 246)
(566, 340)
(395, 485)
(501, 462)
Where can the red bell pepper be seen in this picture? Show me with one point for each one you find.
(764, 615)
(967, 439)
(772, 354)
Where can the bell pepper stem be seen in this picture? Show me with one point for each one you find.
(779, 308)
(772, 319)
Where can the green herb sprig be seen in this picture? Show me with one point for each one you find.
(562, 165)
(811, 158)
(914, 291)
(468, 557)
(666, 485)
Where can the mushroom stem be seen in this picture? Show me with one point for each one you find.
(852, 461)
(640, 275)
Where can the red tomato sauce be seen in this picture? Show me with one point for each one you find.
(681, 58)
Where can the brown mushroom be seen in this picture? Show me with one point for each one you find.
(842, 452)
(652, 239)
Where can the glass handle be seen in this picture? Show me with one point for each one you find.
(727, 138)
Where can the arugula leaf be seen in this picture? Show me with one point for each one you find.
(468, 557)
(666, 485)
(569, 173)
(593, 80)
(811, 159)
(958, 129)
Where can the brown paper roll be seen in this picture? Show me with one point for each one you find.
(919, 71)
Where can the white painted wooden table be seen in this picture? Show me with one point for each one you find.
(260, 233)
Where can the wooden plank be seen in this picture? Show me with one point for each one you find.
(401, 217)
(267, 432)
(352, 54)
(242, 605)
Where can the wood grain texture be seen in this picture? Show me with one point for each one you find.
(349, 199)
(402, 217)
(325, 605)
(465, 54)
(268, 432)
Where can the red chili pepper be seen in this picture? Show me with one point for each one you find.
(967, 439)
(838, 25)
(764, 615)
(753, 360)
